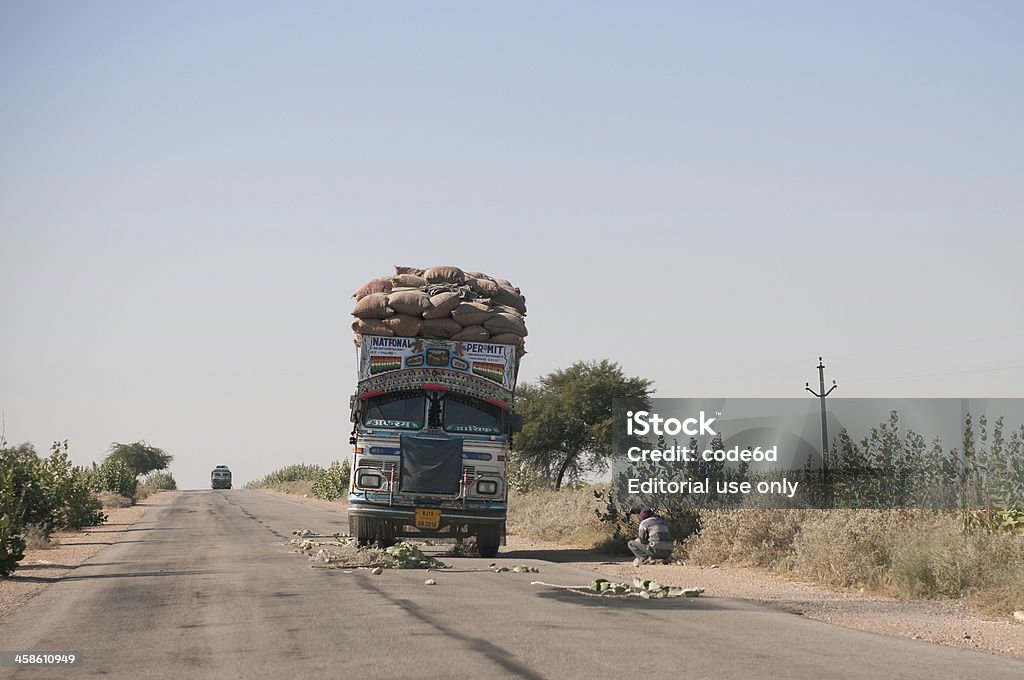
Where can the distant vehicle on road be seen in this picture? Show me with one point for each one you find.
(220, 478)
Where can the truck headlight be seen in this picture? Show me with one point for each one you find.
(487, 487)
(369, 480)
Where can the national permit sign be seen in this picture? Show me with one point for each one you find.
(492, 362)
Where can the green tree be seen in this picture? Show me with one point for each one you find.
(567, 429)
(139, 456)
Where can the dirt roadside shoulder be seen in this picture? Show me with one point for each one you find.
(941, 622)
(340, 504)
(68, 550)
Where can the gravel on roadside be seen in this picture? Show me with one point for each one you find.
(942, 622)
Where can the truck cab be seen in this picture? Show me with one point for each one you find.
(432, 426)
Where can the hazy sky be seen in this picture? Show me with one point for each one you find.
(712, 196)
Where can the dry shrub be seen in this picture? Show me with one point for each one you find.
(568, 517)
(36, 537)
(109, 499)
(298, 488)
(935, 558)
(911, 553)
(932, 558)
(762, 538)
(143, 492)
(849, 547)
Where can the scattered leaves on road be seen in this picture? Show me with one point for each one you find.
(641, 588)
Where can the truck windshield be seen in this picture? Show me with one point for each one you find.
(400, 410)
(471, 416)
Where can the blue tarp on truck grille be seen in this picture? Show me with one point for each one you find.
(430, 465)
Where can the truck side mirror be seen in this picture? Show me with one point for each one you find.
(515, 423)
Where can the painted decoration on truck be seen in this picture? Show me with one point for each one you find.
(489, 370)
(491, 361)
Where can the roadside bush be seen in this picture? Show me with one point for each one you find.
(69, 494)
(30, 501)
(758, 538)
(12, 545)
(333, 483)
(41, 493)
(849, 547)
(160, 481)
(522, 478)
(291, 473)
(568, 517)
(115, 476)
(936, 558)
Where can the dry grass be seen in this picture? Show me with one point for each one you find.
(109, 499)
(749, 538)
(297, 488)
(907, 553)
(566, 517)
(37, 538)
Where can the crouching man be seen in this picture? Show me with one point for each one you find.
(654, 540)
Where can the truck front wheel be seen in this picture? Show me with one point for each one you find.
(488, 539)
(367, 530)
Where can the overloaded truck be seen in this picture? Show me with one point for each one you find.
(220, 477)
(432, 416)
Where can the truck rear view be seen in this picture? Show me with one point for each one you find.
(220, 477)
(438, 355)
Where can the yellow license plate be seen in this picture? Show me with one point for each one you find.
(428, 519)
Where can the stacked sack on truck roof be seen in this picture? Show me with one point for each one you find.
(441, 302)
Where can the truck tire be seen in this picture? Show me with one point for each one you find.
(488, 540)
(358, 527)
(368, 531)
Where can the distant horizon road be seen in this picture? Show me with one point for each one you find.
(205, 586)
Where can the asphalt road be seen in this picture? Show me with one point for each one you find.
(206, 587)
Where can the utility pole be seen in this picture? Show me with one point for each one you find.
(821, 394)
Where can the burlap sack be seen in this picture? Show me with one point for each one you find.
(507, 339)
(472, 314)
(408, 270)
(442, 305)
(506, 284)
(483, 287)
(380, 285)
(373, 306)
(477, 275)
(505, 309)
(472, 334)
(408, 281)
(403, 325)
(502, 323)
(412, 302)
(504, 296)
(445, 275)
(371, 327)
(440, 328)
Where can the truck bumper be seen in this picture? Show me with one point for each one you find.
(449, 517)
